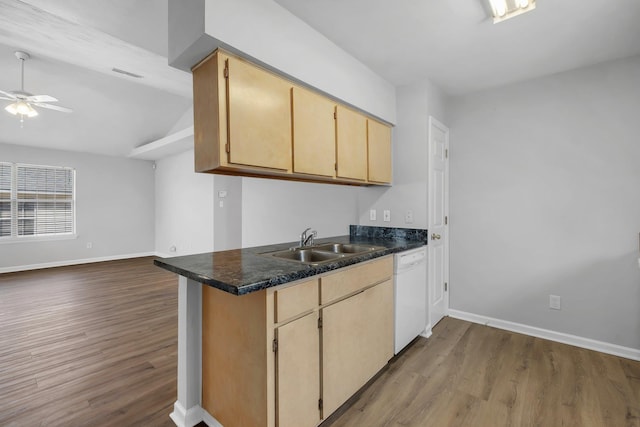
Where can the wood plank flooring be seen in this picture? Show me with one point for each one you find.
(88, 345)
(472, 375)
(95, 345)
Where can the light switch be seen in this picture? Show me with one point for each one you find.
(372, 215)
(386, 215)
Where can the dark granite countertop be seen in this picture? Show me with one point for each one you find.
(242, 271)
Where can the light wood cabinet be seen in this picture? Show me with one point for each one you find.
(298, 372)
(351, 144)
(242, 118)
(379, 152)
(259, 117)
(357, 341)
(252, 122)
(291, 355)
(314, 136)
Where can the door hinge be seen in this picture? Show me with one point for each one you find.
(335, 115)
(226, 69)
(445, 286)
(335, 166)
(227, 148)
(446, 220)
(319, 322)
(320, 404)
(446, 153)
(274, 346)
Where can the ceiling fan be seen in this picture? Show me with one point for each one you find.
(23, 102)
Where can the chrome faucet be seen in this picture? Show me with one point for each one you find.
(307, 240)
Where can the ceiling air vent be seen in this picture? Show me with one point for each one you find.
(126, 73)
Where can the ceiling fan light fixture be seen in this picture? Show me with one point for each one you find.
(505, 9)
(21, 108)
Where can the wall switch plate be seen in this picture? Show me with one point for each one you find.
(89, 245)
(386, 215)
(372, 215)
(408, 217)
(222, 194)
(555, 302)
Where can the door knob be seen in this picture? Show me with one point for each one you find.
(435, 236)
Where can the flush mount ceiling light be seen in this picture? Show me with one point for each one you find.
(22, 101)
(505, 9)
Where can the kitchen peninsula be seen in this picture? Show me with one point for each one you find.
(265, 340)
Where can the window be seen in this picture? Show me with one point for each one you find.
(36, 201)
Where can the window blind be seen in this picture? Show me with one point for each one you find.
(5, 199)
(36, 200)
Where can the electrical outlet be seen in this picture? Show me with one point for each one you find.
(555, 302)
(386, 215)
(408, 217)
(372, 215)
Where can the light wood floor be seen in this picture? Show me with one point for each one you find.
(90, 345)
(95, 345)
(474, 375)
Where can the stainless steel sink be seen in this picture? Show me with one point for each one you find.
(323, 253)
(346, 248)
(309, 256)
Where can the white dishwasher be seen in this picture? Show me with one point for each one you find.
(410, 291)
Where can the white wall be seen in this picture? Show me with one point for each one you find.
(227, 232)
(545, 179)
(415, 103)
(184, 207)
(114, 209)
(267, 32)
(275, 211)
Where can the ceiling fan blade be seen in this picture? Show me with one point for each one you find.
(7, 98)
(54, 107)
(41, 98)
(9, 94)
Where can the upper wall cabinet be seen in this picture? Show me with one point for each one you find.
(249, 121)
(351, 144)
(379, 149)
(259, 116)
(314, 137)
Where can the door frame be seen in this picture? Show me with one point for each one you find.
(433, 122)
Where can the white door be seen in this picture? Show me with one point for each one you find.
(438, 246)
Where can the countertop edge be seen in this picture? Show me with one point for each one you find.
(302, 271)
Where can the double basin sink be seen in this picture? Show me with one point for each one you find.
(323, 253)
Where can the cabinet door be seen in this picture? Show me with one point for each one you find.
(379, 146)
(298, 373)
(314, 133)
(351, 144)
(259, 117)
(357, 341)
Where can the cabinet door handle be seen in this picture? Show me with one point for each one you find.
(435, 236)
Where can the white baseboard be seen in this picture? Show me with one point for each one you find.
(14, 269)
(192, 416)
(601, 346)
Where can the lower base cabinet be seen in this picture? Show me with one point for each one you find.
(298, 373)
(281, 358)
(355, 336)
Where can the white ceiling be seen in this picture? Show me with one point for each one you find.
(76, 43)
(74, 46)
(455, 44)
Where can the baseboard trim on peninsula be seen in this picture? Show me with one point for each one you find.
(191, 417)
(604, 347)
(14, 269)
